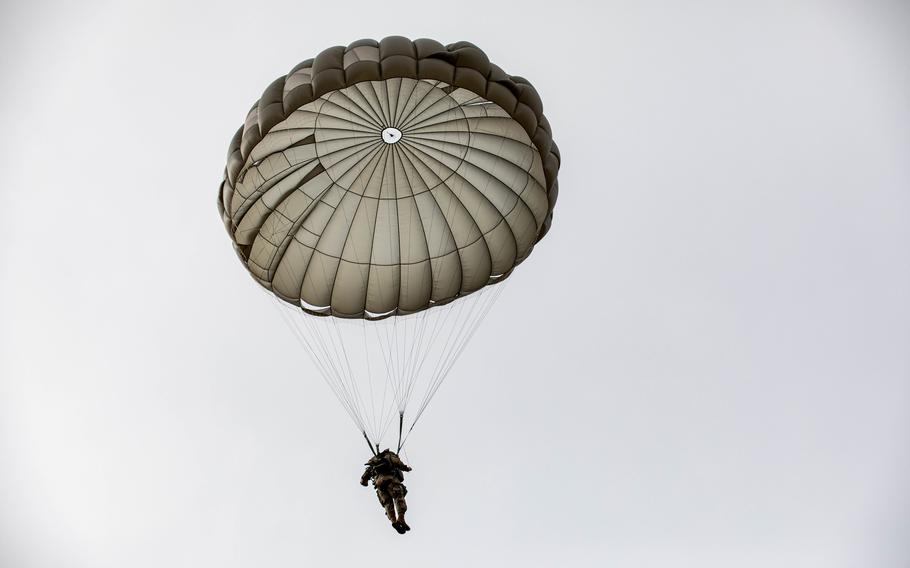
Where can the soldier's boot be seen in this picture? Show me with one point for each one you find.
(404, 526)
(399, 524)
(402, 509)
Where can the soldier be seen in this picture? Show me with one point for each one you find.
(385, 469)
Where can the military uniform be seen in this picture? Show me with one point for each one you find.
(386, 470)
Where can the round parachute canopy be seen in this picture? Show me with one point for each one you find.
(384, 178)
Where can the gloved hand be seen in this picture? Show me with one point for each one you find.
(364, 482)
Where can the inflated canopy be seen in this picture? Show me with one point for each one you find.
(386, 177)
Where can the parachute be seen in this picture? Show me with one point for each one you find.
(382, 193)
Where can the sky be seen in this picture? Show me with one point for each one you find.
(704, 363)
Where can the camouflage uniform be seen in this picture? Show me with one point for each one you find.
(385, 469)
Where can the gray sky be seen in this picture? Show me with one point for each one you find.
(705, 363)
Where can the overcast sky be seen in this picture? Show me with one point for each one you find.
(705, 363)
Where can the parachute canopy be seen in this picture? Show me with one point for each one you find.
(387, 177)
(381, 179)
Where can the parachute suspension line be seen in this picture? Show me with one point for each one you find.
(316, 356)
(369, 443)
(354, 388)
(386, 411)
(366, 351)
(455, 330)
(325, 339)
(390, 381)
(324, 367)
(413, 342)
(468, 326)
(387, 353)
(439, 325)
(397, 360)
(452, 340)
(385, 387)
(400, 427)
(395, 345)
(417, 352)
(471, 329)
(409, 344)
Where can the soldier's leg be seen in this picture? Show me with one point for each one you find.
(387, 503)
(402, 506)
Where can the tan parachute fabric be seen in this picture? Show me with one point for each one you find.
(380, 180)
(387, 177)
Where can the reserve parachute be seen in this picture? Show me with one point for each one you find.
(382, 193)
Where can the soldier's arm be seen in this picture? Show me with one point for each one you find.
(365, 478)
(396, 461)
